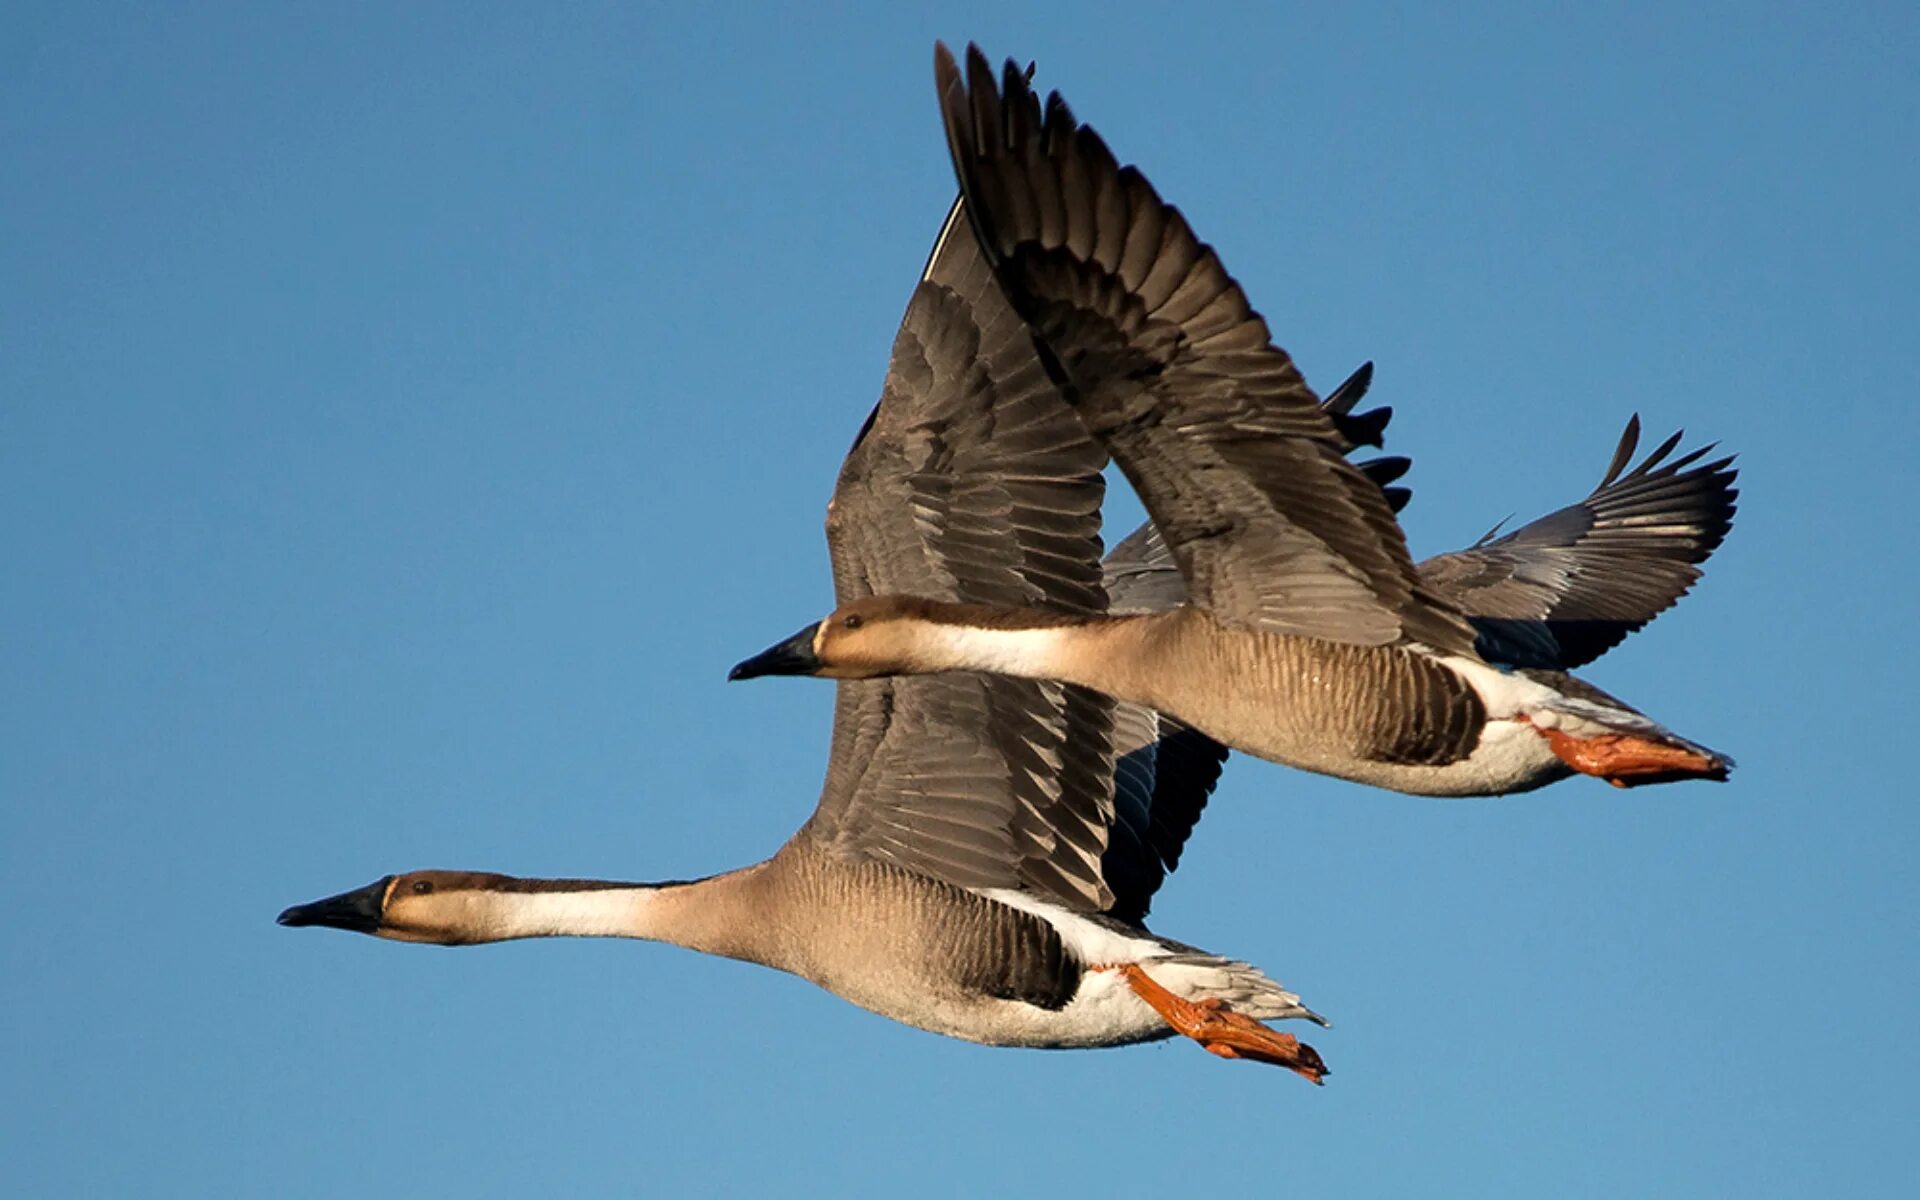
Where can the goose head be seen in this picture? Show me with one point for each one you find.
(877, 635)
(450, 908)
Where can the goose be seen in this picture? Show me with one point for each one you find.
(983, 855)
(1307, 635)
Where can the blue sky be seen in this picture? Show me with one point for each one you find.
(408, 413)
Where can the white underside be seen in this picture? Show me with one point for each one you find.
(1508, 694)
(1104, 1011)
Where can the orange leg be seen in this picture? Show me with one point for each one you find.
(1220, 1030)
(1631, 759)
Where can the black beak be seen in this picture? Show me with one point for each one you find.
(358, 910)
(791, 657)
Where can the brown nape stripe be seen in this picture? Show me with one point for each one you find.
(508, 883)
(986, 616)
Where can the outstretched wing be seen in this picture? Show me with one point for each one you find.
(971, 482)
(1171, 369)
(1563, 590)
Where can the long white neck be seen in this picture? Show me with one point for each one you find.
(1044, 653)
(717, 915)
(625, 910)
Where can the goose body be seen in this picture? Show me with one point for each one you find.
(984, 852)
(1393, 717)
(1304, 632)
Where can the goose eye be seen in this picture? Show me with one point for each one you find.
(422, 886)
(852, 621)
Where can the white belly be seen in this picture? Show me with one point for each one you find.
(1511, 756)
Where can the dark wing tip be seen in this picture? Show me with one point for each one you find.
(1363, 429)
(1622, 453)
(1386, 468)
(1351, 389)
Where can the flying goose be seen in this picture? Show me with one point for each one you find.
(1308, 636)
(985, 849)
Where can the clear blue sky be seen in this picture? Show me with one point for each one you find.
(407, 413)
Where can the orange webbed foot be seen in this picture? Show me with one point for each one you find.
(1223, 1032)
(1631, 759)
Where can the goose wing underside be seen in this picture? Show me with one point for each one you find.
(1559, 592)
(1171, 369)
(1142, 574)
(971, 482)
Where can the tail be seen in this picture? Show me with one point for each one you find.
(1244, 988)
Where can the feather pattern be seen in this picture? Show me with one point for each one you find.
(973, 482)
(1172, 370)
(1561, 591)
(1558, 592)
